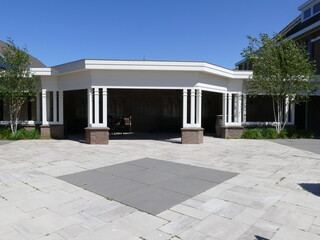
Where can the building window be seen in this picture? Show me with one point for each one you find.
(316, 8)
(307, 13)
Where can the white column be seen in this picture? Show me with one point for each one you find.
(192, 105)
(44, 107)
(199, 108)
(38, 107)
(235, 108)
(54, 99)
(185, 108)
(61, 107)
(96, 105)
(229, 107)
(224, 108)
(239, 106)
(105, 107)
(244, 108)
(90, 107)
(292, 113)
(286, 109)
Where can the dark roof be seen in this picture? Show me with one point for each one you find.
(34, 61)
(291, 25)
(301, 25)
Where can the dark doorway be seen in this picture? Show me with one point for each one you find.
(75, 112)
(259, 109)
(150, 110)
(211, 107)
(307, 115)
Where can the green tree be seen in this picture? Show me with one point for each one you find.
(17, 84)
(283, 70)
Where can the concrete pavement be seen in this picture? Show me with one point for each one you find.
(264, 201)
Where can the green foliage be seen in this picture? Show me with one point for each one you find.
(284, 133)
(281, 69)
(252, 134)
(6, 134)
(17, 84)
(271, 133)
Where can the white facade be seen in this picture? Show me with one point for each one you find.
(192, 78)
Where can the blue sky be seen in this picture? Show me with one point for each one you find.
(194, 30)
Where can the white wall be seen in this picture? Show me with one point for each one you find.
(49, 83)
(139, 79)
(75, 81)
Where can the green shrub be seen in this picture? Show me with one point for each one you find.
(305, 134)
(269, 133)
(252, 134)
(6, 134)
(283, 134)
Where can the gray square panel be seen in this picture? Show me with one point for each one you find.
(149, 176)
(120, 169)
(83, 178)
(148, 184)
(212, 175)
(111, 186)
(186, 185)
(165, 166)
(153, 200)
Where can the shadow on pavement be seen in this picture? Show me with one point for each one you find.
(313, 188)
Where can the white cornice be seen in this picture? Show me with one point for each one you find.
(42, 71)
(88, 64)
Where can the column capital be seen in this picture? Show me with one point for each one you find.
(104, 91)
(96, 91)
(185, 92)
(44, 91)
(89, 91)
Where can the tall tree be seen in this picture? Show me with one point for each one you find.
(17, 84)
(281, 69)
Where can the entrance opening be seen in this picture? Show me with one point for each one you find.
(211, 108)
(152, 114)
(75, 113)
(149, 110)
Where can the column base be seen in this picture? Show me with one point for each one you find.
(231, 131)
(29, 127)
(192, 135)
(97, 135)
(52, 131)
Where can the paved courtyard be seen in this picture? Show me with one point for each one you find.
(275, 195)
(148, 184)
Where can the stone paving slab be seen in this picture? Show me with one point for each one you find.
(148, 184)
(3, 142)
(273, 197)
(311, 145)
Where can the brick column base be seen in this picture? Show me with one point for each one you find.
(29, 127)
(97, 135)
(192, 135)
(52, 131)
(231, 131)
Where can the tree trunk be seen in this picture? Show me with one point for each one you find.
(14, 114)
